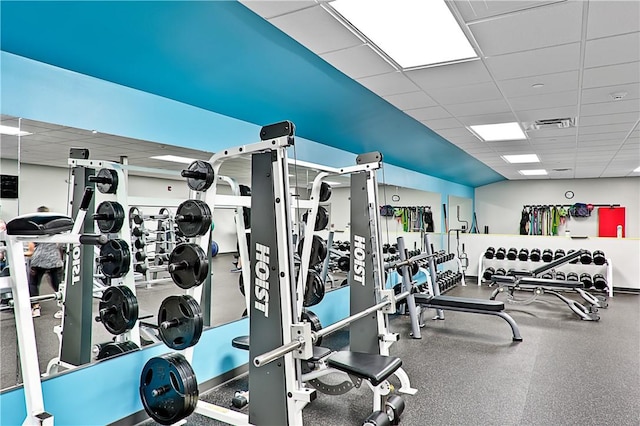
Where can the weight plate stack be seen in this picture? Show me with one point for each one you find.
(312, 318)
(118, 309)
(168, 388)
(199, 175)
(193, 218)
(325, 192)
(180, 322)
(109, 217)
(188, 265)
(115, 258)
(314, 289)
(111, 349)
(106, 181)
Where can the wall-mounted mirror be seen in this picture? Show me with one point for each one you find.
(460, 213)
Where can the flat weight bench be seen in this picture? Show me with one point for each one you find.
(474, 306)
(540, 286)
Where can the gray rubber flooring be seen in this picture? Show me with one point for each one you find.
(469, 372)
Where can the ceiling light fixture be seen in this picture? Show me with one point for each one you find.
(174, 159)
(537, 172)
(13, 131)
(332, 182)
(637, 170)
(616, 96)
(498, 132)
(412, 32)
(537, 85)
(522, 158)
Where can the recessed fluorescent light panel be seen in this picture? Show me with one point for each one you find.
(174, 159)
(332, 182)
(524, 158)
(637, 170)
(412, 32)
(499, 132)
(12, 131)
(538, 172)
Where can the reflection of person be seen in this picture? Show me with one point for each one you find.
(46, 258)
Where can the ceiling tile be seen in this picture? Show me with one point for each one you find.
(596, 120)
(612, 50)
(454, 133)
(608, 143)
(473, 10)
(463, 94)
(407, 101)
(431, 113)
(611, 107)
(611, 75)
(548, 113)
(472, 120)
(562, 24)
(603, 94)
(478, 108)
(269, 9)
(546, 101)
(603, 137)
(358, 62)
(608, 18)
(605, 128)
(535, 62)
(317, 30)
(558, 82)
(391, 83)
(539, 139)
(443, 123)
(464, 73)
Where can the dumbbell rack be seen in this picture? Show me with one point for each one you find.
(484, 263)
(165, 242)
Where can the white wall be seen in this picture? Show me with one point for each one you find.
(499, 205)
(390, 227)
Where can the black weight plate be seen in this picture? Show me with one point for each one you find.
(241, 284)
(180, 322)
(318, 250)
(188, 265)
(314, 289)
(118, 309)
(193, 218)
(115, 258)
(322, 219)
(344, 263)
(325, 192)
(313, 319)
(109, 217)
(199, 175)
(108, 350)
(109, 181)
(168, 388)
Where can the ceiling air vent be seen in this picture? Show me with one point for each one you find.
(552, 123)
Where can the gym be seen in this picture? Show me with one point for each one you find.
(316, 212)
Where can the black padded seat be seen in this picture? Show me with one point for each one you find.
(39, 224)
(545, 282)
(460, 302)
(521, 273)
(319, 352)
(373, 367)
(508, 279)
(241, 342)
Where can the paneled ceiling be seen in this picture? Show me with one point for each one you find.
(294, 60)
(578, 54)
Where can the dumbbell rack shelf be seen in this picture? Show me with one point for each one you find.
(484, 263)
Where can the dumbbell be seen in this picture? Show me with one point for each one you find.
(585, 258)
(141, 268)
(547, 255)
(501, 253)
(385, 248)
(488, 273)
(586, 280)
(535, 255)
(512, 254)
(558, 254)
(560, 276)
(501, 271)
(547, 276)
(572, 276)
(392, 249)
(511, 271)
(599, 258)
(490, 253)
(523, 254)
(574, 260)
(599, 282)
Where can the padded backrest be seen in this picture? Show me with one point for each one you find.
(39, 224)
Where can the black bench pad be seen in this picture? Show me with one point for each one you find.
(545, 282)
(459, 302)
(39, 224)
(242, 342)
(373, 367)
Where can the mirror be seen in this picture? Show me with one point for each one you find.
(39, 157)
(460, 213)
